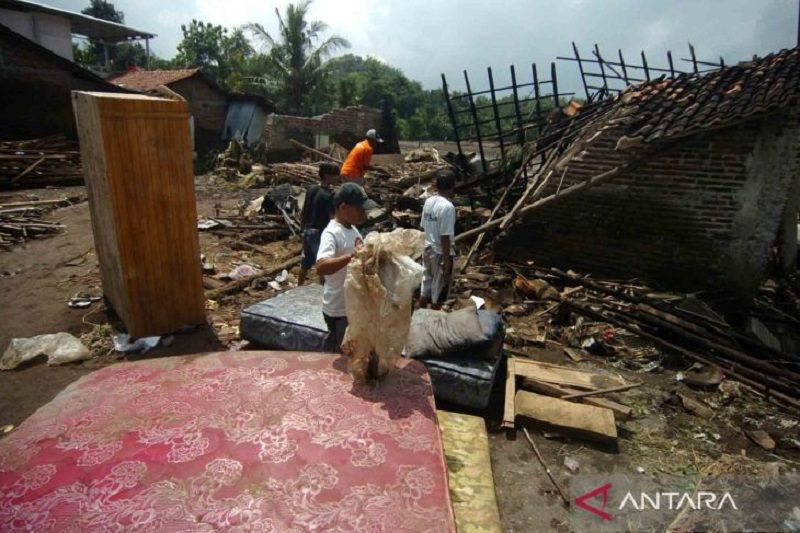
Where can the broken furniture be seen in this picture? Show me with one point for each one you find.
(587, 415)
(245, 440)
(138, 167)
(291, 321)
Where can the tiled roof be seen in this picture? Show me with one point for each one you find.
(668, 108)
(148, 80)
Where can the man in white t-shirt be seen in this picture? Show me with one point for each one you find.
(337, 245)
(439, 222)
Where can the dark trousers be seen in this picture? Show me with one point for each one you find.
(336, 328)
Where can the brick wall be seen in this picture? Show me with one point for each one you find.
(207, 105)
(702, 213)
(345, 126)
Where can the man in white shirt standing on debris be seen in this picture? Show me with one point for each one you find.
(338, 243)
(438, 221)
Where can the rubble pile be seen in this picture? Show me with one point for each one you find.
(21, 221)
(40, 162)
(642, 328)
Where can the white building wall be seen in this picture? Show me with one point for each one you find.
(50, 31)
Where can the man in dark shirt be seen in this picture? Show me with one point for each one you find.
(317, 212)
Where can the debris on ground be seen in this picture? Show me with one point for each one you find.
(24, 220)
(60, 348)
(40, 162)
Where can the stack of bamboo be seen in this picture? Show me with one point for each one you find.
(20, 221)
(40, 162)
(292, 173)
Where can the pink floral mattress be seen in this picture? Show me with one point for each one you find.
(250, 441)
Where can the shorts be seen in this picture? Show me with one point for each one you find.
(435, 285)
(311, 237)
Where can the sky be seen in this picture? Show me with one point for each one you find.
(425, 38)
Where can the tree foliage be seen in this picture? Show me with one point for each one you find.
(119, 55)
(296, 58)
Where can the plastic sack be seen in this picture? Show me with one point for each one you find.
(378, 292)
(60, 348)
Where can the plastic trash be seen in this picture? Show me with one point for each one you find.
(283, 276)
(378, 289)
(243, 271)
(572, 465)
(60, 348)
(122, 343)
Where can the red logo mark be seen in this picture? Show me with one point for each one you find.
(580, 501)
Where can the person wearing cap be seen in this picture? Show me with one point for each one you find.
(438, 221)
(317, 212)
(358, 160)
(339, 241)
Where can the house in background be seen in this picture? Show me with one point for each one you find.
(54, 28)
(37, 71)
(37, 84)
(345, 126)
(208, 103)
(246, 118)
(714, 200)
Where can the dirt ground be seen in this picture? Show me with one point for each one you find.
(38, 278)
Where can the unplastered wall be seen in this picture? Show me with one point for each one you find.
(344, 126)
(703, 213)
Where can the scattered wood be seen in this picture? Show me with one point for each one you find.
(621, 411)
(621, 388)
(560, 375)
(546, 468)
(40, 162)
(587, 421)
(315, 152)
(762, 438)
(509, 412)
(240, 284)
(20, 221)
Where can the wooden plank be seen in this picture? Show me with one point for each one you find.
(138, 168)
(508, 409)
(584, 420)
(561, 375)
(620, 411)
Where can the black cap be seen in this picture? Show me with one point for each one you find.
(354, 194)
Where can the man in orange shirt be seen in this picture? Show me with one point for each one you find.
(357, 162)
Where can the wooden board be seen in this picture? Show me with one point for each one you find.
(587, 421)
(138, 168)
(561, 375)
(508, 409)
(550, 389)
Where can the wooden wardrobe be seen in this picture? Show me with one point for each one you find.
(137, 160)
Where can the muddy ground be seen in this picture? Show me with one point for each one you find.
(38, 278)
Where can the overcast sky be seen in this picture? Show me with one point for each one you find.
(427, 37)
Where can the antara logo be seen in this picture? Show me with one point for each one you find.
(674, 501)
(602, 491)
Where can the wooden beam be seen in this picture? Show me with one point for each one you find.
(587, 421)
(509, 413)
(561, 375)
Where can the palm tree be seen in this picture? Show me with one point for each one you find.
(296, 66)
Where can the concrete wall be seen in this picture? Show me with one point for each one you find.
(50, 31)
(345, 126)
(701, 215)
